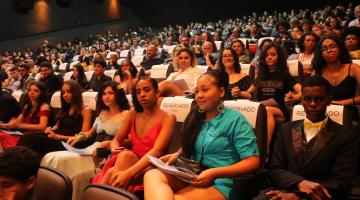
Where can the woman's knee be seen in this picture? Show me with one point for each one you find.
(153, 174)
(127, 154)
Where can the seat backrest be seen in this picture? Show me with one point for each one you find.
(125, 54)
(180, 107)
(295, 69)
(110, 73)
(218, 44)
(136, 60)
(88, 75)
(17, 95)
(52, 184)
(245, 68)
(129, 98)
(63, 67)
(356, 61)
(203, 68)
(255, 113)
(67, 76)
(119, 61)
(106, 192)
(139, 52)
(263, 38)
(75, 58)
(169, 49)
(159, 71)
(72, 64)
(338, 113)
(55, 101)
(89, 99)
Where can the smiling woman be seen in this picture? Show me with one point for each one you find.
(217, 137)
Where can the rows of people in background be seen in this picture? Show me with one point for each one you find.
(326, 55)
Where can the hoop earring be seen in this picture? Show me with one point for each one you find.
(221, 107)
(200, 111)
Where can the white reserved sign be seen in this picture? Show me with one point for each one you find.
(335, 112)
(89, 99)
(179, 106)
(159, 71)
(248, 108)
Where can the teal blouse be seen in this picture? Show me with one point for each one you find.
(223, 141)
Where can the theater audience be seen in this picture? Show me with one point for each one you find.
(78, 75)
(149, 129)
(26, 77)
(98, 78)
(72, 118)
(9, 107)
(186, 72)
(33, 118)
(307, 45)
(240, 50)
(152, 58)
(207, 57)
(314, 158)
(18, 173)
(351, 36)
(48, 77)
(113, 106)
(219, 138)
(240, 84)
(275, 87)
(333, 62)
(126, 75)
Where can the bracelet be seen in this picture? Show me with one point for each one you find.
(84, 136)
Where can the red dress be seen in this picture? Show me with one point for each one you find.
(140, 146)
(7, 141)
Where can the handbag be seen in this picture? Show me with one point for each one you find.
(190, 166)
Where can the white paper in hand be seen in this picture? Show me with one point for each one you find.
(170, 169)
(85, 152)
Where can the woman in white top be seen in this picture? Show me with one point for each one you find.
(114, 108)
(173, 85)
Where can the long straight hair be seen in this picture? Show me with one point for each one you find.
(76, 100)
(40, 101)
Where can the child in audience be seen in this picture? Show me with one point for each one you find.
(149, 129)
(217, 137)
(34, 117)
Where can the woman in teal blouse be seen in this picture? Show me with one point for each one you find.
(219, 138)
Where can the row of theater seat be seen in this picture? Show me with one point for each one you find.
(254, 112)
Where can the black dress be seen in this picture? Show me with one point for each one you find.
(40, 143)
(243, 84)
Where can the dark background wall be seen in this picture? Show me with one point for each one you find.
(49, 20)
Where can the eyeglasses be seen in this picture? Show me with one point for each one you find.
(327, 48)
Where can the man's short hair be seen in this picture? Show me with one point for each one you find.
(100, 62)
(317, 81)
(20, 163)
(45, 64)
